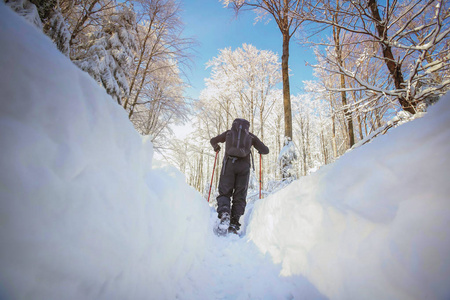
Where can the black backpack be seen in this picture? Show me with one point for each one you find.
(238, 140)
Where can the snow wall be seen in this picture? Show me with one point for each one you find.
(374, 224)
(83, 214)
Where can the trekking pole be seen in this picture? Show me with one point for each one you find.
(212, 176)
(260, 172)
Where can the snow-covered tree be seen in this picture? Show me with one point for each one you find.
(411, 41)
(109, 52)
(287, 160)
(56, 28)
(26, 9)
(245, 76)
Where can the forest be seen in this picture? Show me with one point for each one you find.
(379, 63)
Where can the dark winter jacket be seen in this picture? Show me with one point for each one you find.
(256, 142)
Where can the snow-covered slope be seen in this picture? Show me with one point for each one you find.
(83, 215)
(373, 225)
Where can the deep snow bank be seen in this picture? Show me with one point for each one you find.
(83, 215)
(373, 225)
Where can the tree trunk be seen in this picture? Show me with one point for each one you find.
(395, 68)
(286, 88)
(324, 148)
(361, 137)
(138, 66)
(347, 114)
(333, 128)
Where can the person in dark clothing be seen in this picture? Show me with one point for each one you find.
(235, 174)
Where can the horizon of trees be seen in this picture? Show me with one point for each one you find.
(374, 62)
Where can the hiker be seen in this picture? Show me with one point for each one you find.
(235, 173)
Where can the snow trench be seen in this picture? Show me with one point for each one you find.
(86, 213)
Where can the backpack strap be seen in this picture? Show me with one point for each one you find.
(239, 136)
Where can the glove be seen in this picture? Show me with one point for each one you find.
(216, 148)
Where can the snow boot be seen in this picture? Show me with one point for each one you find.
(233, 229)
(234, 225)
(222, 229)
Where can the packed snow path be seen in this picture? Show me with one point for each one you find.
(234, 268)
(85, 212)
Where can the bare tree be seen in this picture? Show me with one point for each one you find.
(281, 12)
(405, 41)
(161, 47)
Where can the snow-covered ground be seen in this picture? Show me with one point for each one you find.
(85, 212)
(373, 225)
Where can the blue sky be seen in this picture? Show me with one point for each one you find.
(216, 27)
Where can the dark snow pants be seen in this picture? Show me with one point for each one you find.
(233, 183)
